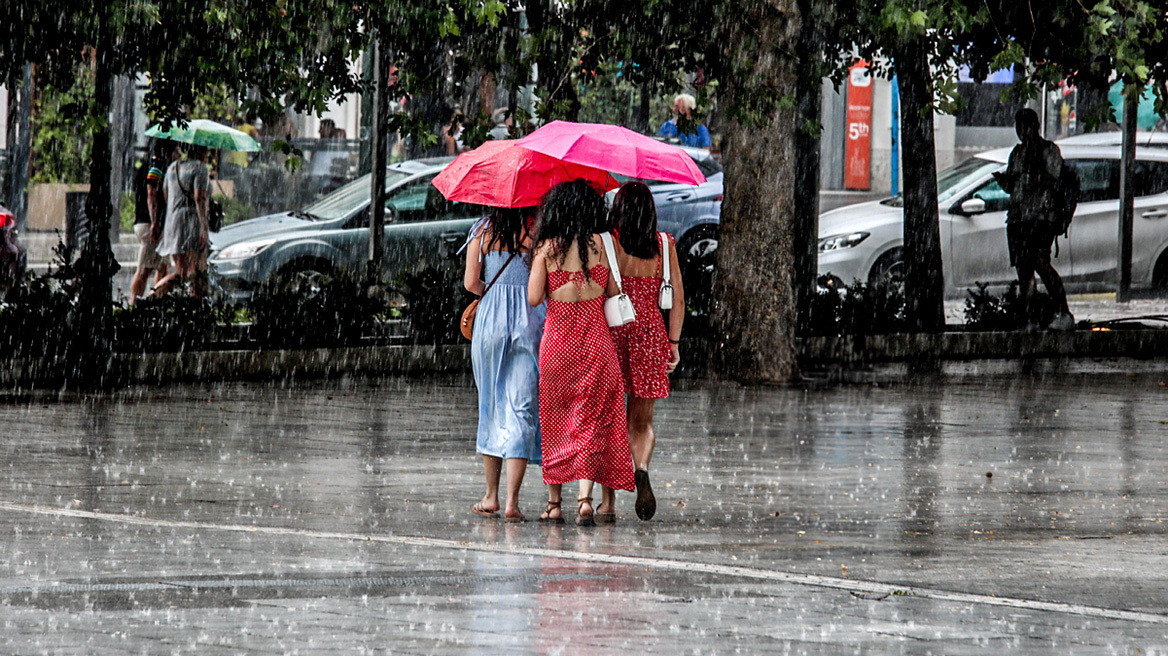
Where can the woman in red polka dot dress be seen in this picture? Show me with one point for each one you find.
(647, 352)
(581, 393)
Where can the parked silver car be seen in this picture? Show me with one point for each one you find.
(864, 241)
(422, 229)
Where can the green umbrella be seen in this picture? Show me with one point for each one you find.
(202, 132)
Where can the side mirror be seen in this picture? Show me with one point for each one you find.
(973, 206)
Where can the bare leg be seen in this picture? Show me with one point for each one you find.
(491, 467)
(161, 272)
(642, 439)
(607, 501)
(585, 512)
(138, 283)
(184, 264)
(555, 498)
(516, 468)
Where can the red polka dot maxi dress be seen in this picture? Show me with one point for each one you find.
(581, 393)
(642, 347)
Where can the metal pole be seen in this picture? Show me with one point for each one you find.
(895, 183)
(377, 193)
(365, 159)
(1127, 192)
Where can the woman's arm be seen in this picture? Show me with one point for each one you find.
(537, 281)
(472, 276)
(677, 314)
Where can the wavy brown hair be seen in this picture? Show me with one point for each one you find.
(570, 212)
(634, 217)
(509, 227)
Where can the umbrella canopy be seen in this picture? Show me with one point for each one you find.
(202, 132)
(503, 174)
(615, 149)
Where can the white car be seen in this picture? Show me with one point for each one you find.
(864, 241)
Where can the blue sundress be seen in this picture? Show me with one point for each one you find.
(505, 354)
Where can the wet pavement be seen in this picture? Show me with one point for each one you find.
(919, 515)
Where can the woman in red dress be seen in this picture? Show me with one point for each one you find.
(647, 352)
(581, 393)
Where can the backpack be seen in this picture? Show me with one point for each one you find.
(1066, 199)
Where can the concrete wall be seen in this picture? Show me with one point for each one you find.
(46, 205)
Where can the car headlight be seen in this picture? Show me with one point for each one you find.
(836, 242)
(243, 250)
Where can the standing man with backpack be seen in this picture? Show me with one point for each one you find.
(1034, 178)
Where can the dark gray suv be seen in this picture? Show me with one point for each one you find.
(422, 229)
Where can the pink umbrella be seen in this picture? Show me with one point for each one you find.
(616, 149)
(502, 174)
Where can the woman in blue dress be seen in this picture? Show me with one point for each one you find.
(505, 354)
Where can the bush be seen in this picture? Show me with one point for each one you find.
(297, 311)
(37, 312)
(434, 304)
(234, 209)
(859, 309)
(985, 311)
(174, 322)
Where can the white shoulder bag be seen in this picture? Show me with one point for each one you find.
(665, 295)
(618, 310)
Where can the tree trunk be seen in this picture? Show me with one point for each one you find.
(754, 306)
(19, 145)
(924, 281)
(380, 123)
(807, 133)
(91, 350)
(644, 118)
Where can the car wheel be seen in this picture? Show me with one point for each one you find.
(697, 253)
(1160, 275)
(888, 268)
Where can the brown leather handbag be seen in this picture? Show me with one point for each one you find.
(468, 315)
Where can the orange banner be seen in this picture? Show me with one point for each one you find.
(858, 146)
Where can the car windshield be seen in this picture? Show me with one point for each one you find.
(955, 178)
(347, 199)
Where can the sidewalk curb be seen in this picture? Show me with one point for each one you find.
(158, 368)
(851, 351)
(860, 349)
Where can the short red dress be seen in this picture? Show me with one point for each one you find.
(581, 395)
(642, 347)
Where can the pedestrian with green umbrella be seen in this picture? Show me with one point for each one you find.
(186, 190)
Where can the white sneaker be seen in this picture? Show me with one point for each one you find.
(1064, 321)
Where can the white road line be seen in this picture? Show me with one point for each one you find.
(689, 567)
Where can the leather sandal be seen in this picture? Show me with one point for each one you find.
(546, 515)
(581, 518)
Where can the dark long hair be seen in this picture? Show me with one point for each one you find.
(634, 216)
(570, 212)
(509, 227)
